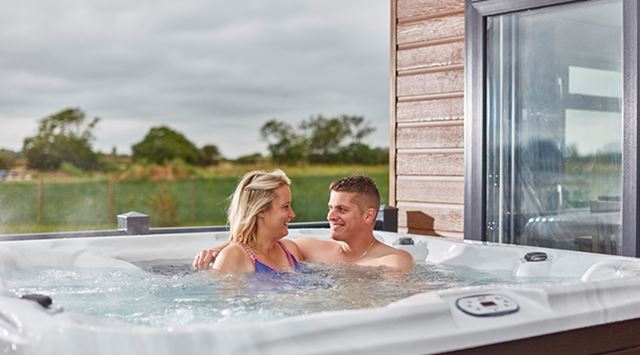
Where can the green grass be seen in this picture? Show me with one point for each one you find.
(83, 204)
(15, 229)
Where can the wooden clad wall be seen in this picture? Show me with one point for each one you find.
(427, 89)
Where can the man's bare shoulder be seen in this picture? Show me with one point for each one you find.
(396, 258)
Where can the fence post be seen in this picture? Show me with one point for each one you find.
(40, 201)
(192, 205)
(111, 196)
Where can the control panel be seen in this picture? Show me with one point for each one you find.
(488, 305)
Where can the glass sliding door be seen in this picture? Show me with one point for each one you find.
(553, 126)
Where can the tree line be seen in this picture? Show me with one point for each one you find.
(322, 140)
(64, 139)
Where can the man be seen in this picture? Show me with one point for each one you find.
(353, 206)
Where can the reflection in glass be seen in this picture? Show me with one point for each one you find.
(554, 127)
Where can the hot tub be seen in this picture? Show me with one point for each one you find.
(600, 292)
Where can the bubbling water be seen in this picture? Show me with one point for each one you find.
(169, 293)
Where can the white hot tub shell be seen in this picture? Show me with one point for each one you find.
(430, 322)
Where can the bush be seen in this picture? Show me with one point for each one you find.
(250, 159)
(70, 169)
(7, 159)
(162, 145)
(163, 206)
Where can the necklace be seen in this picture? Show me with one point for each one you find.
(373, 240)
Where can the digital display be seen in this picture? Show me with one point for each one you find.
(488, 304)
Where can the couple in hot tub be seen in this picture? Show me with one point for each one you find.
(259, 214)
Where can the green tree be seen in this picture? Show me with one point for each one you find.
(357, 127)
(329, 138)
(162, 144)
(325, 135)
(7, 159)
(62, 137)
(210, 155)
(322, 140)
(284, 144)
(249, 159)
(360, 153)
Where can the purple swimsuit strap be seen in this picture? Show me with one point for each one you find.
(292, 260)
(250, 252)
(293, 263)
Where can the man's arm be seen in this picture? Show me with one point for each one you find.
(314, 250)
(206, 257)
(293, 249)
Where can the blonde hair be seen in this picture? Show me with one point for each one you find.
(253, 195)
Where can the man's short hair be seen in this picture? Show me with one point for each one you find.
(367, 194)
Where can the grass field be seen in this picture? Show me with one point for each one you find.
(88, 204)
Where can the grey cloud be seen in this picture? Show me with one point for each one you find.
(196, 63)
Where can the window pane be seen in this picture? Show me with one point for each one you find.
(554, 127)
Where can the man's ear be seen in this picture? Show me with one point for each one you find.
(370, 215)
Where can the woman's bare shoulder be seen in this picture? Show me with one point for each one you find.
(234, 259)
(233, 249)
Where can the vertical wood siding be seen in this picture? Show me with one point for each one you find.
(427, 115)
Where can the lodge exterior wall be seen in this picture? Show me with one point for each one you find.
(427, 131)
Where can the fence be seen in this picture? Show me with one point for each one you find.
(196, 201)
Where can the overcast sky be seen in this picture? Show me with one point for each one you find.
(213, 70)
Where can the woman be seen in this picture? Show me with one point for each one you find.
(259, 215)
